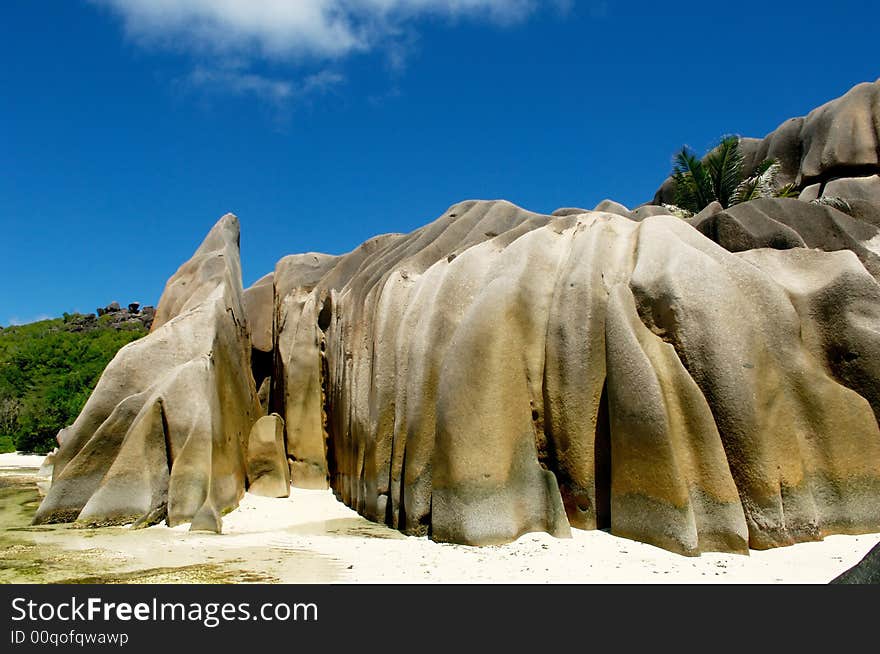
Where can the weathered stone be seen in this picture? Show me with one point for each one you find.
(855, 188)
(810, 193)
(783, 223)
(710, 210)
(263, 395)
(267, 470)
(842, 135)
(594, 306)
(169, 419)
(610, 206)
(298, 394)
(647, 210)
(700, 385)
(568, 211)
(258, 304)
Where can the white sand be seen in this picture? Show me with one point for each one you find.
(311, 537)
(314, 521)
(14, 460)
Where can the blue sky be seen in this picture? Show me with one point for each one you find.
(128, 127)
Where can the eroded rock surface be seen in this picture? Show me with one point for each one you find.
(709, 384)
(783, 223)
(165, 430)
(267, 469)
(499, 372)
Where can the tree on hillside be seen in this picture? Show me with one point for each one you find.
(46, 375)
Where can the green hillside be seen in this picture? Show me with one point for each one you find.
(47, 371)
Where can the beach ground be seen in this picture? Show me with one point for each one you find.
(310, 537)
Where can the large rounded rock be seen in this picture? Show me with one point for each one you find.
(498, 372)
(855, 188)
(267, 469)
(610, 206)
(842, 135)
(298, 394)
(165, 430)
(479, 380)
(782, 223)
(259, 302)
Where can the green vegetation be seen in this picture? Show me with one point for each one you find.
(47, 371)
(720, 177)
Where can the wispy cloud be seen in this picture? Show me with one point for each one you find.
(297, 33)
(285, 29)
(15, 320)
(240, 83)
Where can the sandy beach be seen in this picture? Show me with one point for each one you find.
(310, 537)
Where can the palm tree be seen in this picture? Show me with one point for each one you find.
(720, 177)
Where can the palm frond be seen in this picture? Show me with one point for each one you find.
(693, 187)
(762, 184)
(764, 166)
(725, 166)
(788, 191)
(834, 202)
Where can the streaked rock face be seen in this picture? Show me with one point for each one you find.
(499, 372)
(165, 431)
(267, 470)
(701, 385)
(782, 223)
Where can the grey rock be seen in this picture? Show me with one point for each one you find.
(610, 206)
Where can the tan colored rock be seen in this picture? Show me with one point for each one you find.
(565, 316)
(647, 210)
(166, 428)
(710, 210)
(499, 372)
(795, 471)
(842, 134)
(855, 188)
(610, 206)
(783, 223)
(810, 193)
(297, 377)
(568, 211)
(263, 396)
(259, 304)
(267, 470)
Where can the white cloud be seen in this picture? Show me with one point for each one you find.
(240, 83)
(228, 38)
(322, 81)
(235, 79)
(295, 29)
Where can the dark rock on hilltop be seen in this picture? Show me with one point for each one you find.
(112, 316)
